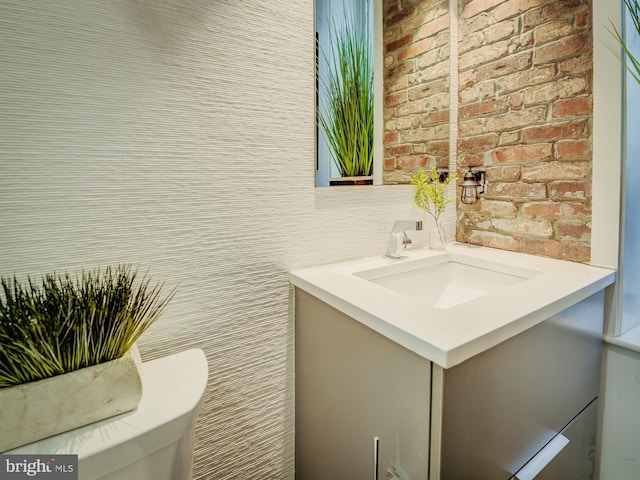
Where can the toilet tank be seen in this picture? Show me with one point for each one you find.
(153, 442)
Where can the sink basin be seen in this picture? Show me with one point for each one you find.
(447, 283)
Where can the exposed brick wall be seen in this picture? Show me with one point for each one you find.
(525, 113)
(416, 103)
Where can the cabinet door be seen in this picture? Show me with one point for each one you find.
(352, 385)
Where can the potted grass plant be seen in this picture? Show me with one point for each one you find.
(67, 349)
(346, 111)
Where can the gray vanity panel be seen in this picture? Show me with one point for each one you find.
(505, 404)
(353, 384)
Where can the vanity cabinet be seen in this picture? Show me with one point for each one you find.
(353, 385)
(366, 406)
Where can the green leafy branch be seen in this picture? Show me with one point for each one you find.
(431, 193)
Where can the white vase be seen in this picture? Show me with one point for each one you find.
(39, 409)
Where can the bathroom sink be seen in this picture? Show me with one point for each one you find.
(448, 280)
(450, 305)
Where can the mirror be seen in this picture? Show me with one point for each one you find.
(410, 69)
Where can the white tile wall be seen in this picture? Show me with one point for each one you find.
(178, 135)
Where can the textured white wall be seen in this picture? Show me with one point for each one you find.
(178, 135)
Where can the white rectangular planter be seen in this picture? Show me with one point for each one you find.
(39, 409)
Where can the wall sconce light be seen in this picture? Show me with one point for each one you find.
(472, 186)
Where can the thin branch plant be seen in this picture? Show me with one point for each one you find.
(631, 62)
(346, 113)
(64, 323)
(431, 195)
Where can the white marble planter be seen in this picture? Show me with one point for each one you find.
(47, 407)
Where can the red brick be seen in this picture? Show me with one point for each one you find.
(573, 231)
(571, 107)
(413, 161)
(497, 208)
(569, 189)
(434, 27)
(549, 171)
(494, 240)
(564, 88)
(482, 108)
(542, 133)
(556, 210)
(399, 70)
(551, 210)
(509, 138)
(510, 8)
(553, 132)
(438, 147)
(470, 160)
(539, 152)
(537, 227)
(552, 31)
(395, 98)
(479, 142)
(486, 53)
(552, 11)
(442, 161)
(576, 65)
(547, 248)
(514, 120)
(428, 89)
(575, 211)
(475, 7)
(508, 173)
(513, 63)
(573, 150)
(517, 190)
(441, 116)
(399, 16)
(391, 8)
(500, 30)
(583, 19)
(555, 51)
(389, 163)
(390, 137)
(418, 135)
(397, 150)
(519, 81)
(398, 43)
(573, 251)
(417, 48)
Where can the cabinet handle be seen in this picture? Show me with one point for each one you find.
(543, 458)
(376, 451)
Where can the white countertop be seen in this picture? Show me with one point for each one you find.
(452, 335)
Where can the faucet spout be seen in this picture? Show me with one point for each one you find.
(398, 238)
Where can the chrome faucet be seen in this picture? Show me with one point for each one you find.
(398, 238)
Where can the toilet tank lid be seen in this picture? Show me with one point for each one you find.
(172, 389)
